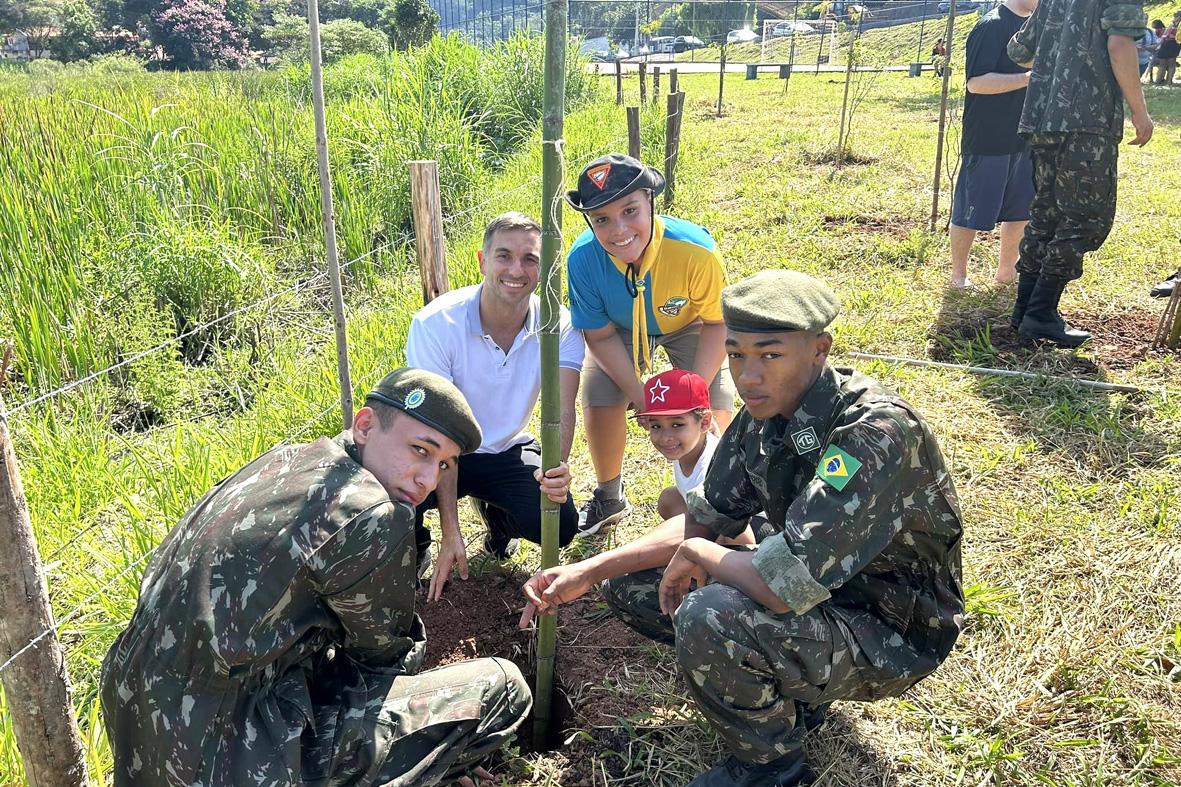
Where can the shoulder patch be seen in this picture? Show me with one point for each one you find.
(836, 467)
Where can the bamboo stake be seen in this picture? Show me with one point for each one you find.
(942, 117)
(551, 277)
(633, 132)
(427, 210)
(36, 684)
(342, 342)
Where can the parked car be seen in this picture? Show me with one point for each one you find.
(685, 43)
(787, 27)
(743, 36)
(661, 45)
(961, 5)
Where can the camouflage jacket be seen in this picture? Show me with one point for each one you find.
(862, 516)
(1072, 87)
(258, 616)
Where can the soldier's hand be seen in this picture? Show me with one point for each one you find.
(678, 577)
(452, 554)
(549, 589)
(478, 778)
(1144, 127)
(556, 483)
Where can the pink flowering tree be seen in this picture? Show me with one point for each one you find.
(196, 34)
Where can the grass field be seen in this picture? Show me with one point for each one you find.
(1067, 673)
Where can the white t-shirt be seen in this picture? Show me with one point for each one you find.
(686, 484)
(447, 337)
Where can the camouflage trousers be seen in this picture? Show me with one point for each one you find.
(432, 727)
(1073, 207)
(755, 675)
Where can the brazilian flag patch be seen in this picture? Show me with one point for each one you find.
(836, 468)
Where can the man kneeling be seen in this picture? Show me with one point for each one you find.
(275, 641)
(854, 591)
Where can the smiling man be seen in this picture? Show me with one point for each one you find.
(853, 592)
(486, 340)
(275, 640)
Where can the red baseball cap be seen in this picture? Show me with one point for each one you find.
(675, 392)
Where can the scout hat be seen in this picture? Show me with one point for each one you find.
(608, 178)
(778, 300)
(433, 400)
(675, 392)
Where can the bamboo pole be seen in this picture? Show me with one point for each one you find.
(942, 117)
(342, 342)
(36, 685)
(551, 278)
(633, 132)
(427, 209)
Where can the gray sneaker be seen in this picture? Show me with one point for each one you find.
(598, 513)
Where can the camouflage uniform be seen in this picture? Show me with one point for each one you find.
(1073, 119)
(871, 571)
(275, 642)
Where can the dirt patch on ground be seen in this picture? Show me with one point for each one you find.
(898, 226)
(478, 618)
(976, 331)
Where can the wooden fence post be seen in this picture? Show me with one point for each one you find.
(672, 144)
(427, 210)
(36, 685)
(633, 132)
(721, 78)
(618, 83)
(643, 83)
(655, 82)
(672, 80)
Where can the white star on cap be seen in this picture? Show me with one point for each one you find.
(657, 391)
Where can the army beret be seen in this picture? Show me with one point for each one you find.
(433, 400)
(778, 300)
(612, 177)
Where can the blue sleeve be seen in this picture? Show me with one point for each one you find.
(587, 310)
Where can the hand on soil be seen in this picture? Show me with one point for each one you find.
(556, 484)
(485, 779)
(451, 555)
(549, 589)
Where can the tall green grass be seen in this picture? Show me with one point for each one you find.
(137, 205)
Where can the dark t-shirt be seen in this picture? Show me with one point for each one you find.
(990, 121)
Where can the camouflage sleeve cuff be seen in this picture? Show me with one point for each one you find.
(1125, 19)
(787, 576)
(708, 516)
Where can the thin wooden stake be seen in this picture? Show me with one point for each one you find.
(552, 121)
(942, 118)
(721, 78)
(427, 209)
(326, 210)
(643, 83)
(36, 685)
(633, 132)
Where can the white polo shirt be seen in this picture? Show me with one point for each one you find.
(447, 337)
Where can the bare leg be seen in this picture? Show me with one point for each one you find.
(961, 246)
(606, 436)
(670, 503)
(1011, 234)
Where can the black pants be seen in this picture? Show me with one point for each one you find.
(505, 482)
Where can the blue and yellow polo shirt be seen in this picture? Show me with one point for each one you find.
(683, 280)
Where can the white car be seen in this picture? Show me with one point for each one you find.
(743, 36)
(788, 27)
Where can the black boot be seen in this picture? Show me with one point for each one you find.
(1042, 321)
(787, 771)
(1025, 284)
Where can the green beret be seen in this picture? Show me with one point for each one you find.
(432, 399)
(778, 300)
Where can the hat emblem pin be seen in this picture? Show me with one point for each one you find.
(657, 391)
(598, 175)
(415, 398)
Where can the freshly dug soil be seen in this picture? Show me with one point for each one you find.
(478, 617)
